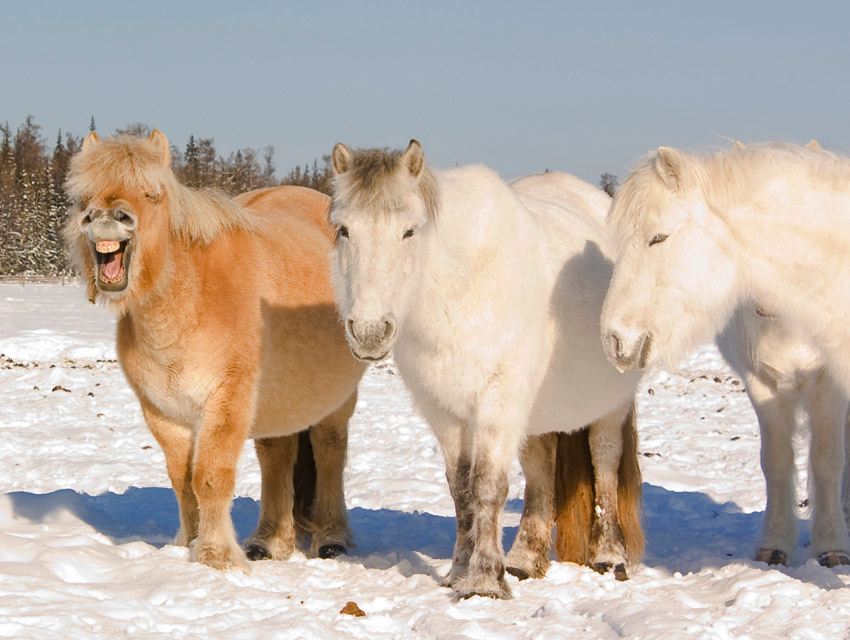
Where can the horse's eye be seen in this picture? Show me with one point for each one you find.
(658, 238)
(408, 233)
(342, 231)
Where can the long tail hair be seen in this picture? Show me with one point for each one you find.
(304, 482)
(574, 495)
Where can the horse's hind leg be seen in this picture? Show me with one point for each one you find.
(176, 443)
(329, 519)
(529, 555)
(775, 412)
(274, 538)
(827, 408)
(608, 546)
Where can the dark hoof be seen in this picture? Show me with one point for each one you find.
(833, 559)
(518, 573)
(333, 550)
(619, 570)
(256, 551)
(772, 556)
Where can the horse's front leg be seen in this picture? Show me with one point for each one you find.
(827, 408)
(496, 439)
(218, 442)
(450, 432)
(608, 550)
(274, 538)
(529, 555)
(775, 413)
(176, 442)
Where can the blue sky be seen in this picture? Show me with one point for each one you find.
(520, 86)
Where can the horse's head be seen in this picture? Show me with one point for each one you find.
(674, 283)
(383, 211)
(119, 187)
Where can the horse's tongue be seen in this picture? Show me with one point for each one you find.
(111, 266)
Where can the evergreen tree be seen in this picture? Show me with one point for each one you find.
(608, 183)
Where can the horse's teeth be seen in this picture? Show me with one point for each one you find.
(107, 246)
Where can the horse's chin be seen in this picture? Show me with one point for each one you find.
(370, 357)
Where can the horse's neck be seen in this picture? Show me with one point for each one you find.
(794, 246)
(170, 309)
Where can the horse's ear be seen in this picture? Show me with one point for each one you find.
(669, 163)
(414, 158)
(738, 145)
(91, 140)
(812, 144)
(159, 141)
(341, 158)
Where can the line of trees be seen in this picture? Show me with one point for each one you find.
(33, 203)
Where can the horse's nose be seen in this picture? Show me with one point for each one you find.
(370, 339)
(613, 345)
(626, 351)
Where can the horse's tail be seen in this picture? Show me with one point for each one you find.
(630, 491)
(573, 497)
(575, 500)
(304, 482)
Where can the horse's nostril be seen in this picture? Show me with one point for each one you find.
(388, 329)
(351, 329)
(616, 345)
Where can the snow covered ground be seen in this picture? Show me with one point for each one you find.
(86, 515)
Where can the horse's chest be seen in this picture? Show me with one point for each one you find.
(168, 379)
(446, 373)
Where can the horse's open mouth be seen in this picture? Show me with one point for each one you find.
(112, 264)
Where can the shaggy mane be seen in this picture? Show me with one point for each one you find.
(725, 178)
(372, 181)
(134, 164)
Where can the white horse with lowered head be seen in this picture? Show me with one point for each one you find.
(700, 237)
(489, 296)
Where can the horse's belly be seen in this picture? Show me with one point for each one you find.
(572, 397)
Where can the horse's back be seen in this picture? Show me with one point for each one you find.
(557, 188)
(291, 204)
(580, 385)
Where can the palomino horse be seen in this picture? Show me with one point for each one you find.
(700, 236)
(227, 331)
(489, 297)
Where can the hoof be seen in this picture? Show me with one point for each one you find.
(833, 559)
(220, 557)
(503, 593)
(522, 574)
(618, 568)
(772, 556)
(484, 586)
(327, 551)
(256, 551)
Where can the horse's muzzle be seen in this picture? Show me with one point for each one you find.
(369, 340)
(627, 353)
